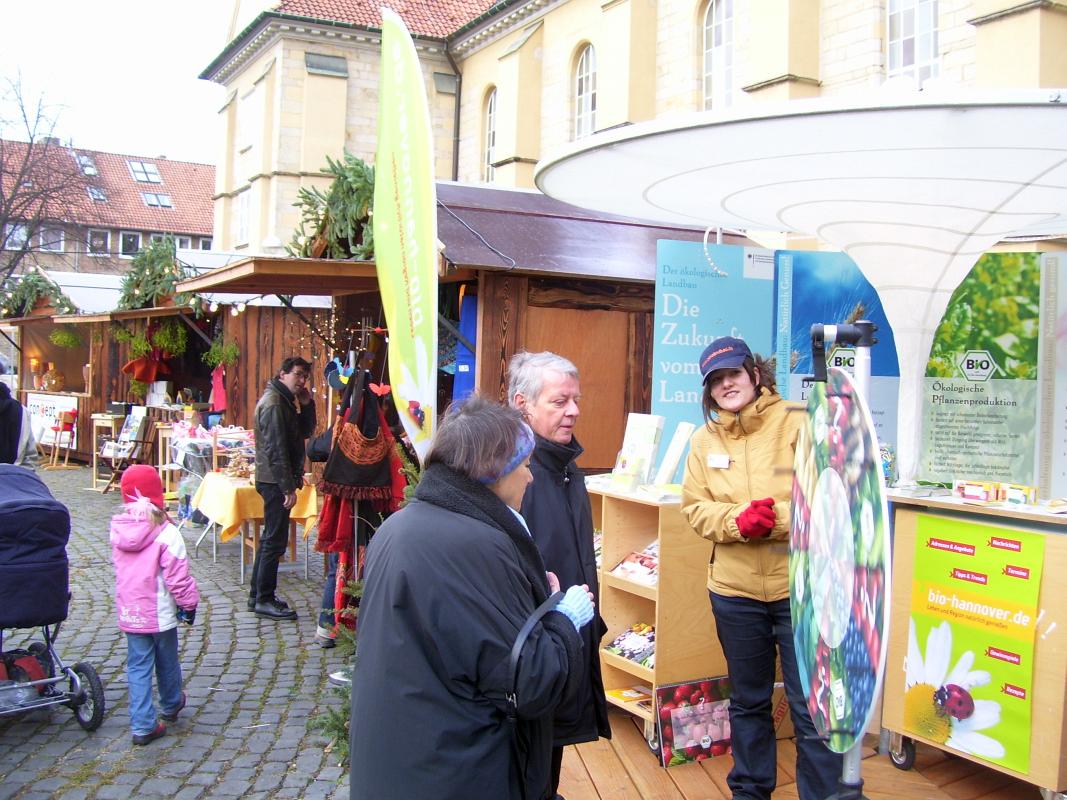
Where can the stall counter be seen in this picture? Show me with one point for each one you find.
(1048, 723)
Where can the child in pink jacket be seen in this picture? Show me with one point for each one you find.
(154, 591)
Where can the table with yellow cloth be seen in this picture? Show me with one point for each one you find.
(234, 505)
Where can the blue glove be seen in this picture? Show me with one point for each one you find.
(187, 615)
(576, 606)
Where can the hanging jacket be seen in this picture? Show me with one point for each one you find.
(759, 442)
(450, 580)
(556, 509)
(152, 578)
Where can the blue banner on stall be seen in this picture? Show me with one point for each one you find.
(702, 294)
(828, 288)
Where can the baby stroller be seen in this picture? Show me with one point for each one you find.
(34, 528)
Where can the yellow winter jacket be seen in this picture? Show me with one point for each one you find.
(733, 461)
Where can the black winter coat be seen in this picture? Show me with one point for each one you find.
(280, 434)
(449, 581)
(556, 507)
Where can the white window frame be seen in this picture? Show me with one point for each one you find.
(17, 234)
(205, 243)
(140, 242)
(183, 242)
(489, 130)
(157, 200)
(912, 40)
(86, 164)
(96, 194)
(51, 245)
(718, 78)
(89, 242)
(585, 93)
(249, 119)
(156, 237)
(147, 169)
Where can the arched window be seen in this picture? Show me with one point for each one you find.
(719, 54)
(489, 154)
(585, 93)
(911, 40)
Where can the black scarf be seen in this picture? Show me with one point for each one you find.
(442, 486)
(10, 425)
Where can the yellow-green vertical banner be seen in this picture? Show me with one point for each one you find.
(405, 231)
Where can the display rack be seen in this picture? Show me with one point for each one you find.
(687, 647)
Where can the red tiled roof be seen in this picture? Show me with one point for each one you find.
(190, 187)
(435, 18)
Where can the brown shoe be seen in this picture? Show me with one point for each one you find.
(158, 732)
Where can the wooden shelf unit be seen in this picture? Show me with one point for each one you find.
(687, 647)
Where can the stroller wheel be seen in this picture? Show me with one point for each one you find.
(88, 705)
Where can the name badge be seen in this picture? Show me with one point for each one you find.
(718, 461)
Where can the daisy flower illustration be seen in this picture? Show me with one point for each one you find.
(938, 704)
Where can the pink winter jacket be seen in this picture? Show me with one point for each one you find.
(152, 578)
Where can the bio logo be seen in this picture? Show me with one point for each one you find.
(976, 365)
(843, 358)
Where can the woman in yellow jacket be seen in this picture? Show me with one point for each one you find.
(736, 492)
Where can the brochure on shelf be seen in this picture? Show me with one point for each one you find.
(640, 446)
(675, 452)
(640, 567)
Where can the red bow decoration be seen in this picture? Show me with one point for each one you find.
(147, 369)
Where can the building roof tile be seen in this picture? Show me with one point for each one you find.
(435, 18)
(189, 186)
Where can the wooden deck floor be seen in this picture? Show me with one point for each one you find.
(624, 769)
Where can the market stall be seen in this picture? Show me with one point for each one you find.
(977, 661)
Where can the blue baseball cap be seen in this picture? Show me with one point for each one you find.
(726, 352)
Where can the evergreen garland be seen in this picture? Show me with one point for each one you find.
(19, 295)
(153, 274)
(337, 223)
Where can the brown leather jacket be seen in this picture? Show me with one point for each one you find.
(759, 443)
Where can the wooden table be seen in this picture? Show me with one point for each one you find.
(236, 507)
(113, 424)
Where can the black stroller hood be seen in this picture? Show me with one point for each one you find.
(34, 529)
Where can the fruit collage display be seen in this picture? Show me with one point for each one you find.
(838, 561)
(693, 720)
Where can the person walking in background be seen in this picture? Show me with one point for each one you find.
(737, 492)
(453, 581)
(284, 419)
(545, 388)
(17, 443)
(154, 591)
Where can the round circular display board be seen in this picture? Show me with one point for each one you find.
(839, 561)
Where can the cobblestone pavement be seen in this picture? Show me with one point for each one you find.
(253, 685)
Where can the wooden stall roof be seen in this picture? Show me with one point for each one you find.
(276, 275)
(75, 319)
(489, 228)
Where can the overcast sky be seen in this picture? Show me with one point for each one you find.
(120, 75)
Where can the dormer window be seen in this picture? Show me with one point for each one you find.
(85, 162)
(153, 200)
(144, 171)
(97, 194)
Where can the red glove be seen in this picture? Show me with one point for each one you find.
(758, 519)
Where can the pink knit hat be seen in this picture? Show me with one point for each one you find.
(140, 481)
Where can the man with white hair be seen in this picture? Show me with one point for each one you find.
(545, 388)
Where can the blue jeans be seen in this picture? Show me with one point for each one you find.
(273, 540)
(329, 601)
(147, 653)
(750, 631)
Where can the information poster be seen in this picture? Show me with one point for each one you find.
(1054, 410)
(702, 294)
(828, 288)
(980, 404)
(969, 683)
(44, 412)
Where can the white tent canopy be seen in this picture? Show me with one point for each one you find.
(91, 292)
(913, 187)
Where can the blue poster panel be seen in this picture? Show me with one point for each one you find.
(702, 294)
(828, 288)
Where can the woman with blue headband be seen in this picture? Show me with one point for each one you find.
(453, 585)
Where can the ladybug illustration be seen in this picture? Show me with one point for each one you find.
(955, 701)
